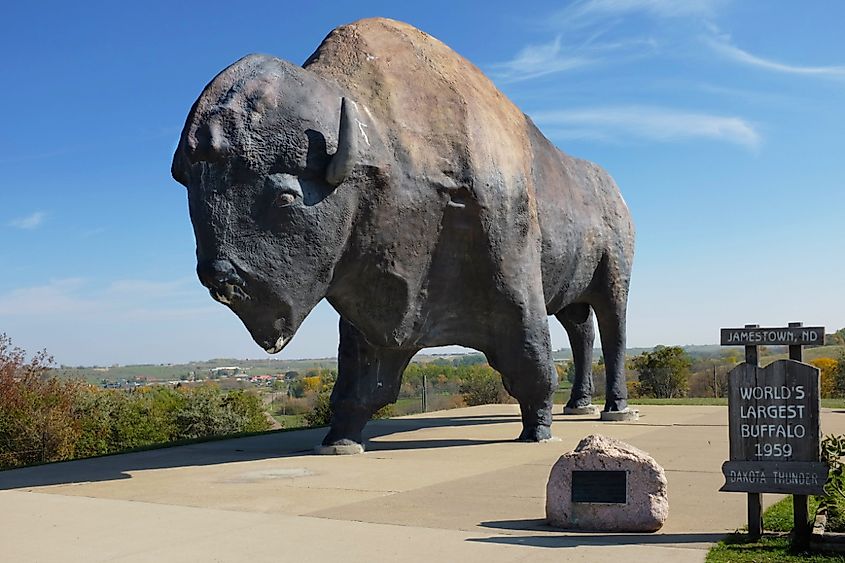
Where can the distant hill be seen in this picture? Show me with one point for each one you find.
(201, 369)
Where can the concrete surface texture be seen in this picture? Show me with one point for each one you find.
(445, 486)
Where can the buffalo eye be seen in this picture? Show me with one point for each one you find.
(284, 199)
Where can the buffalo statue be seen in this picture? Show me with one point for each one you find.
(389, 176)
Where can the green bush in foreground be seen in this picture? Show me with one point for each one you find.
(321, 413)
(44, 419)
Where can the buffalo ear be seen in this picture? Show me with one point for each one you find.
(346, 156)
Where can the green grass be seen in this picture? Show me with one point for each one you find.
(291, 421)
(833, 403)
(736, 548)
(778, 517)
(771, 548)
(721, 401)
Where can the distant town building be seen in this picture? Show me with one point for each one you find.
(227, 371)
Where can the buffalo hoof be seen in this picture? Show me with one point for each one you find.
(339, 449)
(628, 415)
(536, 434)
(587, 409)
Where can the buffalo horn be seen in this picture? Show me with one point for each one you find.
(347, 146)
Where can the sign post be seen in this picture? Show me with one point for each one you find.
(774, 423)
(801, 503)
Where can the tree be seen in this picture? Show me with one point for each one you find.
(482, 385)
(37, 422)
(829, 368)
(567, 373)
(835, 339)
(664, 372)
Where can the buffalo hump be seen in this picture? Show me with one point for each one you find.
(401, 74)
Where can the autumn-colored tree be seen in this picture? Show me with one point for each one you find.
(37, 422)
(44, 418)
(828, 368)
(312, 384)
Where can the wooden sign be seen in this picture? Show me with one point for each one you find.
(788, 336)
(773, 419)
(608, 487)
(790, 477)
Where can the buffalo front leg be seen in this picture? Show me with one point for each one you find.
(523, 356)
(577, 319)
(368, 379)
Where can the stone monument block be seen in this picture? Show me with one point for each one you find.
(606, 485)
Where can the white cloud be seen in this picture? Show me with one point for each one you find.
(72, 296)
(652, 123)
(29, 222)
(656, 8)
(723, 47)
(538, 60)
(146, 288)
(54, 298)
(83, 322)
(534, 61)
(589, 33)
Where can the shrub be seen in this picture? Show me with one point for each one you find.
(321, 413)
(209, 412)
(385, 412)
(663, 372)
(291, 405)
(482, 385)
(36, 412)
(248, 410)
(43, 418)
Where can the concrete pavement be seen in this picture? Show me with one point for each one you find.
(447, 486)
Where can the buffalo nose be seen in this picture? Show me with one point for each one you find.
(220, 277)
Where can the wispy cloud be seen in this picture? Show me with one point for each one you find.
(86, 321)
(92, 232)
(29, 222)
(723, 46)
(651, 123)
(117, 299)
(534, 61)
(657, 8)
(589, 33)
(53, 298)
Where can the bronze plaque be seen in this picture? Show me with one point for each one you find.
(610, 487)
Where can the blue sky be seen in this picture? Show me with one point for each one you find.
(722, 122)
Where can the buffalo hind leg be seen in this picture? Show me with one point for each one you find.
(523, 355)
(577, 319)
(610, 310)
(368, 379)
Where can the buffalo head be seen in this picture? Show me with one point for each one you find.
(268, 153)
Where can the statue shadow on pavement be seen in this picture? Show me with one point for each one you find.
(269, 445)
(558, 538)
